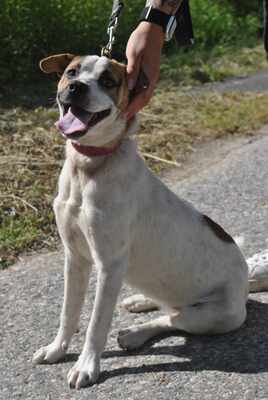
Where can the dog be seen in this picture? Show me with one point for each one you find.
(114, 213)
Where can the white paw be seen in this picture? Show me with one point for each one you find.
(85, 372)
(50, 354)
(131, 339)
(138, 303)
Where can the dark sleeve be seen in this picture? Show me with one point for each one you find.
(184, 32)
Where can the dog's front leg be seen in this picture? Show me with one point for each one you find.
(76, 276)
(86, 369)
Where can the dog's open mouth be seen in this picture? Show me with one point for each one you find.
(76, 121)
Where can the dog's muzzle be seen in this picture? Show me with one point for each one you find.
(78, 88)
(76, 121)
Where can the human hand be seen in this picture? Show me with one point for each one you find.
(143, 53)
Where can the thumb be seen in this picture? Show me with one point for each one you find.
(133, 69)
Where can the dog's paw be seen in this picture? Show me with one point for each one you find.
(138, 303)
(49, 354)
(131, 339)
(85, 372)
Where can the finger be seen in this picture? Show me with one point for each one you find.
(133, 69)
(139, 101)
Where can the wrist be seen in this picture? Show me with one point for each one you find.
(150, 27)
(167, 23)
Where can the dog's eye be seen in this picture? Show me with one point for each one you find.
(71, 73)
(107, 81)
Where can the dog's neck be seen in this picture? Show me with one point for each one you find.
(84, 163)
(92, 157)
(92, 151)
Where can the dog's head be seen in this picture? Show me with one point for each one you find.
(92, 94)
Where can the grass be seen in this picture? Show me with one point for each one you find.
(29, 156)
(32, 152)
(197, 65)
(170, 132)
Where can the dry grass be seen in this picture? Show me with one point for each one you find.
(31, 154)
(176, 121)
(29, 163)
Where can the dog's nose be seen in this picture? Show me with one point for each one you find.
(77, 87)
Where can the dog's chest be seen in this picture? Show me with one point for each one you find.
(73, 208)
(74, 198)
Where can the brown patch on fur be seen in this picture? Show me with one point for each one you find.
(120, 94)
(64, 81)
(56, 63)
(218, 230)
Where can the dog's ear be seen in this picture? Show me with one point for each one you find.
(119, 71)
(56, 63)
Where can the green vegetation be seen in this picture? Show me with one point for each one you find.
(32, 29)
(200, 66)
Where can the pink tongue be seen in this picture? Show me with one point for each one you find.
(71, 123)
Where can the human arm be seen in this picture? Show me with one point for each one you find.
(143, 52)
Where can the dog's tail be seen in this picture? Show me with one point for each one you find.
(257, 268)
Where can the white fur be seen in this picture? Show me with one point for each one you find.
(258, 271)
(113, 212)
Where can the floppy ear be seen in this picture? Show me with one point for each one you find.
(56, 63)
(119, 71)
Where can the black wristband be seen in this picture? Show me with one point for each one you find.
(155, 16)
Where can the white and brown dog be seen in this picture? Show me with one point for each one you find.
(112, 212)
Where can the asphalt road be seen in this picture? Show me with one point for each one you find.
(233, 366)
(257, 82)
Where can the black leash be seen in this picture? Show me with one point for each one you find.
(112, 26)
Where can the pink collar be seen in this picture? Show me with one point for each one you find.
(92, 151)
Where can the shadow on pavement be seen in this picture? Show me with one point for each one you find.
(244, 351)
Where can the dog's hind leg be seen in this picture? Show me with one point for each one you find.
(76, 276)
(135, 336)
(203, 318)
(139, 303)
